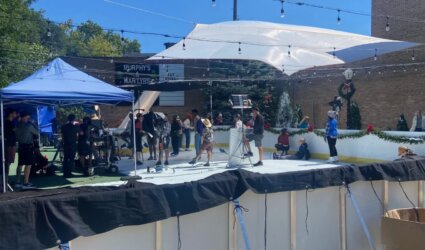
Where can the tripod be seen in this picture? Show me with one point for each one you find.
(241, 102)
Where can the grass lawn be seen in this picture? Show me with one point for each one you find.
(57, 180)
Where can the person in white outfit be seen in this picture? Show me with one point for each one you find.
(418, 122)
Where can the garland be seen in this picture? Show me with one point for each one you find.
(355, 135)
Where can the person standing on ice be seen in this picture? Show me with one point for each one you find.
(332, 135)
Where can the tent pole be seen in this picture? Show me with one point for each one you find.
(134, 140)
(38, 125)
(211, 103)
(2, 146)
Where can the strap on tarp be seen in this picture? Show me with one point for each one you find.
(238, 212)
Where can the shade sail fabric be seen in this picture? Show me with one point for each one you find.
(60, 83)
(271, 42)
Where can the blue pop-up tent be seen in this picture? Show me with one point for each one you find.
(59, 83)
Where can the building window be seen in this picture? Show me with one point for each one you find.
(171, 72)
(175, 98)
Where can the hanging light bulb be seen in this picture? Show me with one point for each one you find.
(334, 53)
(122, 36)
(283, 68)
(239, 48)
(49, 32)
(289, 50)
(213, 3)
(184, 43)
(413, 55)
(375, 57)
(387, 25)
(338, 20)
(282, 11)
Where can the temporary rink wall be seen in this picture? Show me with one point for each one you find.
(332, 222)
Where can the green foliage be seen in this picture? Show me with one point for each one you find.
(28, 40)
(355, 135)
(62, 113)
(356, 118)
(256, 90)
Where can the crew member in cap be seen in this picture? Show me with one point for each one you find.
(332, 135)
(25, 134)
(258, 134)
(207, 142)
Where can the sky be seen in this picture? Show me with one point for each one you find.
(178, 17)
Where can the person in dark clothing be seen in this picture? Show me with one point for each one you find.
(257, 136)
(176, 131)
(138, 125)
(84, 145)
(402, 124)
(25, 134)
(302, 153)
(9, 141)
(69, 139)
(283, 142)
(151, 136)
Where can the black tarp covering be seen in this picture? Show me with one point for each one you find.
(38, 219)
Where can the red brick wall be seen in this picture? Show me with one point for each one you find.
(381, 97)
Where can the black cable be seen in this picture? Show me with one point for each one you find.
(377, 197)
(410, 201)
(306, 205)
(265, 220)
(179, 241)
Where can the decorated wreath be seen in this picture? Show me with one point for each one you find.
(346, 90)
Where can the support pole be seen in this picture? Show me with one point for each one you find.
(134, 140)
(420, 193)
(293, 219)
(211, 103)
(342, 220)
(235, 10)
(158, 235)
(2, 147)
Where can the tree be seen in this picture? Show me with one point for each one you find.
(264, 92)
(28, 40)
(22, 45)
(355, 117)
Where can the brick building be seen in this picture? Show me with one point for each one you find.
(123, 70)
(392, 85)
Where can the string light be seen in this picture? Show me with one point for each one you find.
(375, 57)
(283, 69)
(49, 32)
(122, 36)
(338, 20)
(289, 50)
(184, 43)
(213, 3)
(239, 48)
(413, 55)
(282, 11)
(334, 53)
(387, 25)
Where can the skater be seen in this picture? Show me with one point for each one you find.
(207, 143)
(331, 136)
